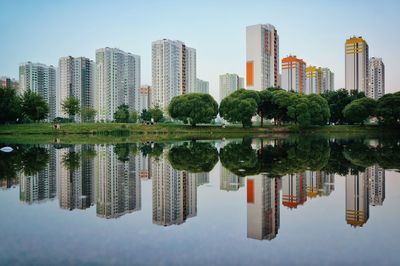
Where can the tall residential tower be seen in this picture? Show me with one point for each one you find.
(376, 73)
(41, 79)
(117, 81)
(173, 71)
(262, 57)
(293, 74)
(75, 79)
(356, 65)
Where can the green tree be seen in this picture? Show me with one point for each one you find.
(240, 106)
(193, 108)
(388, 109)
(156, 114)
(133, 117)
(122, 114)
(88, 114)
(10, 106)
(145, 115)
(71, 160)
(282, 100)
(337, 101)
(71, 107)
(265, 106)
(33, 106)
(359, 110)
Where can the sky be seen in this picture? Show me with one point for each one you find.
(43, 31)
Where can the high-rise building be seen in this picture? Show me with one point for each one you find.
(202, 86)
(41, 79)
(294, 190)
(173, 71)
(5, 82)
(293, 76)
(191, 73)
(229, 83)
(327, 80)
(144, 98)
(174, 193)
(75, 79)
(263, 214)
(376, 182)
(357, 206)
(117, 81)
(262, 57)
(376, 74)
(313, 80)
(356, 64)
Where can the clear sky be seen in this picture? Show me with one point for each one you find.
(42, 31)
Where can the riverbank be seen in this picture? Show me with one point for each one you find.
(121, 132)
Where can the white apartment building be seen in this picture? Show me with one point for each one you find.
(76, 78)
(117, 81)
(313, 80)
(356, 64)
(41, 79)
(262, 57)
(202, 86)
(376, 74)
(229, 83)
(376, 185)
(327, 80)
(173, 71)
(293, 77)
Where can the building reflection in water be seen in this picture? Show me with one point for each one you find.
(75, 175)
(229, 181)
(174, 193)
(41, 186)
(263, 214)
(294, 190)
(84, 175)
(357, 206)
(118, 188)
(376, 181)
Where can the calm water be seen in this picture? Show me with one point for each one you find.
(238, 202)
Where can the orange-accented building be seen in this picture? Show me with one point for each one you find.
(293, 74)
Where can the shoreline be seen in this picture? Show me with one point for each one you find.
(121, 133)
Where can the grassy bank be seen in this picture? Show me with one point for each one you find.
(119, 132)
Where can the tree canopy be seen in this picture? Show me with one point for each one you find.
(122, 114)
(71, 106)
(240, 106)
(10, 106)
(359, 110)
(388, 109)
(33, 106)
(193, 108)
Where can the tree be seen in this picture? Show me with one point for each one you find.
(240, 106)
(71, 107)
(145, 116)
(122, 114)
(359, 110)
(10, 106)
(337, 101)
(133, 117)
(193, 108)
(265, 106)
(388, 109)
(156, 114)
(282, 100)
(71, 160)
(88, 114)
(33, 106)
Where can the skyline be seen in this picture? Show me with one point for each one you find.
(217, 53)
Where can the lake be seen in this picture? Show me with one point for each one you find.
(293, 200)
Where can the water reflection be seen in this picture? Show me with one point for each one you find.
(291, 171)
